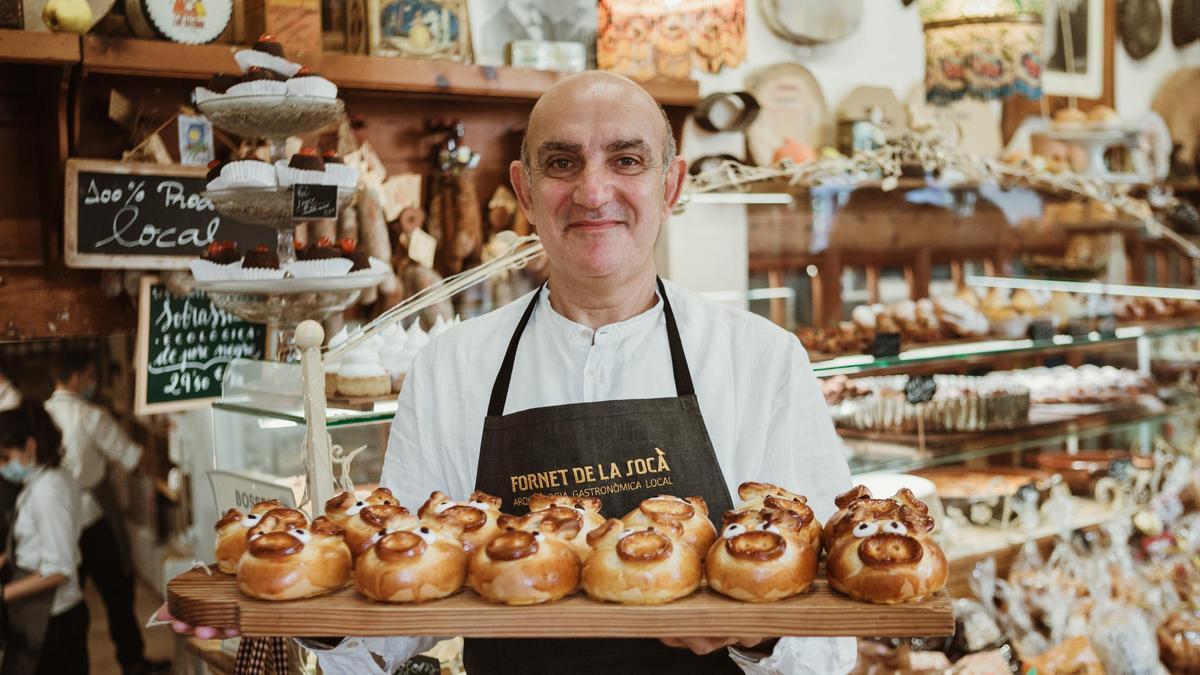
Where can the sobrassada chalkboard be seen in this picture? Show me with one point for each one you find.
(184, 344)
(144, 216)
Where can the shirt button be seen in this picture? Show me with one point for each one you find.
(585, 333)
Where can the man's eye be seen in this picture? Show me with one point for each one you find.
(628, 161)
(560, 164)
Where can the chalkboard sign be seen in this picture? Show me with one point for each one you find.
(144, 216)
(885, 345)
(1041, 330)
(310, 202)
(184, 345)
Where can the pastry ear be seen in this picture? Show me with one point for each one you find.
(852, 495)
(905, 497)
(231, 516)
(339, 501)
(539, 501)
(323, 525)
(606, 534)
(591, 504)
(485, 498)
(699, 504)
(917, 521)
(382, 495)
(436, 497)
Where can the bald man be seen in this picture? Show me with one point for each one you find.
(569, 389)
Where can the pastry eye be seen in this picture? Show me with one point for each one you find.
(424, 530)
(734, 530)
(539, 536)
(865, 529)
(302, 535)
(579, 507)
(625, 533)
(443, 507)
(359, 504)
(478, 505)
(893, 527)
(250, 520)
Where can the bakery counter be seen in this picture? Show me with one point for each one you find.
(1050, 426)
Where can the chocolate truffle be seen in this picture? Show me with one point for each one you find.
(221, 83)
(321, 249)
(350, 252)
(266, 43)
(261, 256)
(214, 170)
(307, 159)
(258, 73)
(331, 157)
(221, 253)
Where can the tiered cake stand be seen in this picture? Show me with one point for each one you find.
(280, 303)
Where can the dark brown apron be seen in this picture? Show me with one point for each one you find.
(620, 451)
(25, 620)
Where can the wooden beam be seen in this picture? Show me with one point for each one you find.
(24, 46)
(158, 58)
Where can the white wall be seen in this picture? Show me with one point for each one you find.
(888, 49)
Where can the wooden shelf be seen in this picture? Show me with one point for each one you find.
(25, 46)
(157, 58)
(214, 600)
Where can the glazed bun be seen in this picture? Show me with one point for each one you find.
(762, 555)
(297, 562)
(473, 522)
(562, 518)
(345, 505)
(880, 550)
(373, 519)
(524, 568)
(640, 565)
(232, 531)
(756, 496)
(690, 514)
(414, 564)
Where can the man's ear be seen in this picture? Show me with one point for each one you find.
(519, 178)
(676, 176)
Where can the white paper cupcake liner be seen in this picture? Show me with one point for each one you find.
(258, 88)
(202, 95)
(248, 173)
(288, 176)
(313, 269)
(316, 87)
(207, 270)
(250, 58)
(217, 183)
(341, 175)
(259, 274)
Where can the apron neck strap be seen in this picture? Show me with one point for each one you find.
(679, 365)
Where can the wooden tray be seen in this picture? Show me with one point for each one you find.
(203, 600)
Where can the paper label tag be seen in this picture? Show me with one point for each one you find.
(421, 248)
(1041, 329)
(885, 344)
(235, 491)
(195, 140)
(310, 202)
(920, 389)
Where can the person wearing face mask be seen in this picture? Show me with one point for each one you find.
(93, 444)
(47, 619)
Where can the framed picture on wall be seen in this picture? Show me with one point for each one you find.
(419, 29)
(500, 22)
(1074, 48)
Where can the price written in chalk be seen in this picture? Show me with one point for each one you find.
(311, 202)
(189, 343)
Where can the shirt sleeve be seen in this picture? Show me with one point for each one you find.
(113, 442)
(803, 453)
(413, 465)
(57, 527)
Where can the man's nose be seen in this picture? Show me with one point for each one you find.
(594, 188)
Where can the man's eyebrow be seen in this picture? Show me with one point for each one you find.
(558, 146)
(628, 144)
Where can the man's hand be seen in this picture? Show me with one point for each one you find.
(199, 632)
(704, 646)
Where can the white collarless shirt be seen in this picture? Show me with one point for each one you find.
(46, 532)
(760, 401)
(91, 439)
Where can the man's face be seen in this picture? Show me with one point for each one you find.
(596, 188)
